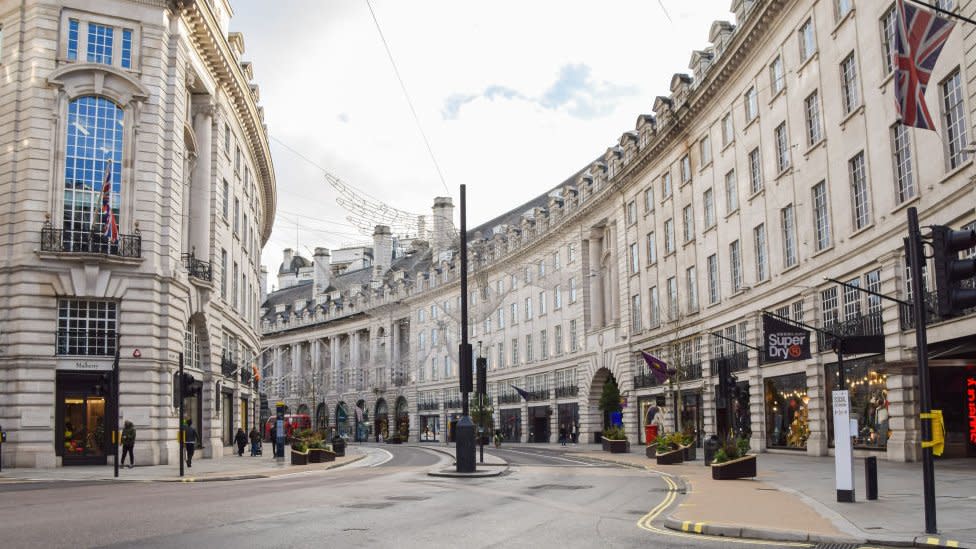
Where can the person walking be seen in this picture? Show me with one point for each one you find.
(241, 440)
(562, 434)
(274, 439)
(128, 442)
(255, 437)
(189, 441)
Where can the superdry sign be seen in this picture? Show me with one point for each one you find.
(782, 341)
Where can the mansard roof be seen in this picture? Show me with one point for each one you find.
(297, 262)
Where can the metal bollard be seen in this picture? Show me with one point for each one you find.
(871, 476)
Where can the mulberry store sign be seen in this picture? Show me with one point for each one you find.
(782, 341)
(86, 365)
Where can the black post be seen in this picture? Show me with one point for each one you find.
(871, 476)
(179, 429)
(115, 398)
(464, 447)
(915, 257)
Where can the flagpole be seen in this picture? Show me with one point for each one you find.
(944, 11)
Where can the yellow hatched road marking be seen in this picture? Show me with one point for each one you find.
(646, 523)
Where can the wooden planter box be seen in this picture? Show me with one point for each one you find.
(671, 458)
(320, 455)
(299, 458)
(691, 452)
(651, 451)
(615, 446)
(744, 467)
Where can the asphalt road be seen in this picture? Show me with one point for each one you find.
(386, 500)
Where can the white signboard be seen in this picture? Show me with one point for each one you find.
(36, 418)
(85, 364)
(843, 449)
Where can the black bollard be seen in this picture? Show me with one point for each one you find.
(871, 476)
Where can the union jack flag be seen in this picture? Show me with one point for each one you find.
(111, 228)
(919, 37)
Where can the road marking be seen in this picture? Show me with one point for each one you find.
(646, 523)
(374, 458)
(545, 455)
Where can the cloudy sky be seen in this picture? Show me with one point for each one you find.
(514, 97)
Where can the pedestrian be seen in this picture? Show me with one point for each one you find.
(189, 441)
(562, 435)
(255, 437)
(128, 442)
(274, 439)
(241, 440)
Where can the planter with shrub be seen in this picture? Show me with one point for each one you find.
(733, 461)
(669, 449)
(299, 452)
(615, 440)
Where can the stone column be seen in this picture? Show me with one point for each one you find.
(334, 343)
(596, 281)
(200, 192)
(905, 443)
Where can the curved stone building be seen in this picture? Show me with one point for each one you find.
(776, 164)
(140, 191)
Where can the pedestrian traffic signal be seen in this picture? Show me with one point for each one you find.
(954, 283)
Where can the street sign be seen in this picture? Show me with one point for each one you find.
(843, 449)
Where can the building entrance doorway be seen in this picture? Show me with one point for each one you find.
(84, 415)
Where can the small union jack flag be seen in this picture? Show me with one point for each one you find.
(919, 37)
(111, 228)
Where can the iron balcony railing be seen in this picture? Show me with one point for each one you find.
(645, 379)
(452, 403)
(535, 396)
(737, 362)
(861, 325)
(691, 371)
(399, 379)
(427, 406)
(197, 268)
(509, 398)
(90, 242)
(568, 391)
(228, 366)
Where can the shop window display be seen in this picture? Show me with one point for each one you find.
(787, 420)
(868, 386)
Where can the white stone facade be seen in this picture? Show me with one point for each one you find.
(779, 163)
(159, 93)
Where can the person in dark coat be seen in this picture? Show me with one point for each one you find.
(241, 440)
(189, 441)
(128, 442)
(255, 437)
(274, 440)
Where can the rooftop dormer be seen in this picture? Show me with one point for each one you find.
(701, 60)
(236, 41)
(680, 86)
(719, 35)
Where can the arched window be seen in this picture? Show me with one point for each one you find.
(93, 152)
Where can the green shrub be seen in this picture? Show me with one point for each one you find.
(299, 446)
(614, 432)
(732, 448)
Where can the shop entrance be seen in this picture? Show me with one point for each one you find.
(569, 420)
(539, 424)
(511, 425)
(692, 416)
(954, 392)
(734, 417)
(84, 415)
(382, 417)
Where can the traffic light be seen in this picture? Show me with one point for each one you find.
(950, 271)
(189, 385)
(464, 373)
(482, 381)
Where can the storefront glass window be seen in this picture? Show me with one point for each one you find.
(511, 425)
(429, 427)
(787, 422)
(868, 386)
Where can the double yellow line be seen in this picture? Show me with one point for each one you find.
(646, 523)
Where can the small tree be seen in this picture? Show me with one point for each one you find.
(609, 400)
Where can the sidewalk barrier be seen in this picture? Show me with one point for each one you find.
(871, 476)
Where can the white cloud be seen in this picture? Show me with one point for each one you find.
(514, 96)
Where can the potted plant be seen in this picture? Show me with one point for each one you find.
(733, 461)
(669, 449)
(299, 452)
(615, 440)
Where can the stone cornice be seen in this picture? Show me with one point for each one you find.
(216, 52)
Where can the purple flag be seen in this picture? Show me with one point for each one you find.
(658, 367)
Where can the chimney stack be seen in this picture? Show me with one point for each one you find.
(382, 253)
(443, 233)
(321, 263)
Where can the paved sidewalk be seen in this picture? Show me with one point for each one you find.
(794, 498)
(229, 467)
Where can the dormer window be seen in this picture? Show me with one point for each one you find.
(101, 42)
